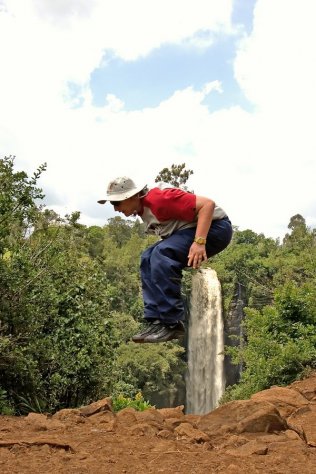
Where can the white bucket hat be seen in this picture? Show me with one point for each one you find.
(121, 188)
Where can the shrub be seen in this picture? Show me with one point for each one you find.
(137, 402)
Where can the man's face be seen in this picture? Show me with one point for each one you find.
(127, 206)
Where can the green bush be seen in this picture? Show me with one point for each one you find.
(138, 402)
(5, 406)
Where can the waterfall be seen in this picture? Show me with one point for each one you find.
(205, 382)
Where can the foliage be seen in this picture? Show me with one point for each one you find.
(279, 343)
(34, 405)
(58, 330)
(245, 263)
(148, 368)
(177, 175)
(5, 406)
(18, 195)
(138, 402)
(55, 324)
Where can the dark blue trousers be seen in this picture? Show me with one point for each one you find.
(162, 265)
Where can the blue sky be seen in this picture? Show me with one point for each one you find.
(148, 81)
(97, 90)
(153, 78)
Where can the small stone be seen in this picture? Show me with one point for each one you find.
(186, 431)
(253, 447)
(96, 407)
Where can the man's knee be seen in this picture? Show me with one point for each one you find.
(145, 256)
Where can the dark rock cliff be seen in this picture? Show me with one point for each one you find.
(233, 332)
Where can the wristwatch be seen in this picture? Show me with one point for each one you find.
(200, 240)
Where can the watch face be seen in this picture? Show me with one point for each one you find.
(200, 240)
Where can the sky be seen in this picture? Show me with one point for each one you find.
(105, 88)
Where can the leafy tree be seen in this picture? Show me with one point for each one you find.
(177, 175)
(18, 195)
(246, 263)
(149, 369)
(95, 240)
(119, 230)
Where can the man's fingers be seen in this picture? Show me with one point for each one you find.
(195, 259)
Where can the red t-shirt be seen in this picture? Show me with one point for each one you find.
(166, 210)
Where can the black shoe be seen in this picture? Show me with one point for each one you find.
(166, 333)
(150, 329)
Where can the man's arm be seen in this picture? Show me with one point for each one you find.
(205, 210)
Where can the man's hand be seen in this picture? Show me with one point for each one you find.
(197, 255)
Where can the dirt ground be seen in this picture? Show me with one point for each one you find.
(274, 432)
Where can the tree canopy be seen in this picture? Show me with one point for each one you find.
(176, 175)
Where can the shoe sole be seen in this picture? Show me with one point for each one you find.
(156, 341)
(140, 340)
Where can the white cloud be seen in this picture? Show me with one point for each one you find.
(260, 166)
